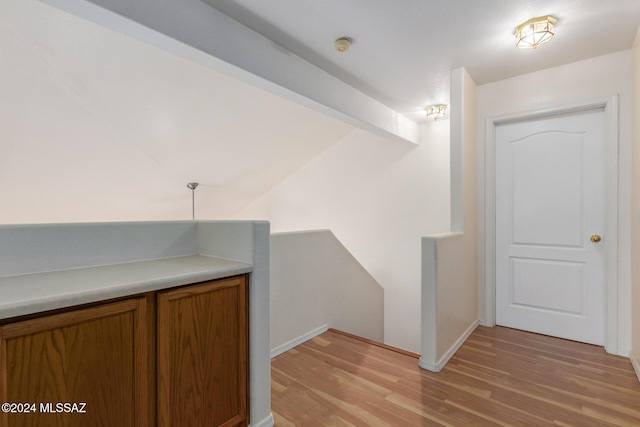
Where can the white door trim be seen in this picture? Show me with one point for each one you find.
(610, 105)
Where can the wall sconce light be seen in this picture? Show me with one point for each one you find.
(535, 31)
(436, 112)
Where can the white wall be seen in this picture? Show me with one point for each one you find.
(316, 283)
(96, 126)
(449, 264)
(378, 197)
(635, 304)
(581, 81)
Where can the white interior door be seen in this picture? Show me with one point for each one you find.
(549, 214)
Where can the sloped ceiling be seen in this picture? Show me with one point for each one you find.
(106, 122)
(116, 128)
(402, 51)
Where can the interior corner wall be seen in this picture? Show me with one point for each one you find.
(582, 81)
(317, 282)
(378, 196)
(464, 192)
(635, 226)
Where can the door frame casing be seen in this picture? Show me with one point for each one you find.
(610, 106)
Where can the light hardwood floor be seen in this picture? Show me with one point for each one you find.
(499, 377)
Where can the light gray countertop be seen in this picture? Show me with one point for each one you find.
(38, 292)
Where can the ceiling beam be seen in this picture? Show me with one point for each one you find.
(196, 31)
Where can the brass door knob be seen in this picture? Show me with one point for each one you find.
(595, 238)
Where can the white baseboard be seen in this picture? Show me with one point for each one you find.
(635, 361)
(433, 367)
(267, 422)
(297, 341)
(437, 366)
(618, 351)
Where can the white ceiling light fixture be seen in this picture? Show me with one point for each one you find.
(342, 44)
(535, 32)
(436, 112)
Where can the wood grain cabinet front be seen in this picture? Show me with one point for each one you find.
(85, 367)
(170, 358)
(202, 355)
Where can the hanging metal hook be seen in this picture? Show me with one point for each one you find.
(192, 186)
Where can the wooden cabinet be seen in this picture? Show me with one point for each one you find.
(178, 357)
(202, 355)
(95, 358)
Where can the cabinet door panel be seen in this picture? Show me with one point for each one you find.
(202, 354)
(94, 356)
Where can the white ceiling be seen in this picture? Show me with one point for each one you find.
(87, 114)
(137, 111)
(403, 51)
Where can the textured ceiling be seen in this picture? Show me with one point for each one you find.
(403, 51)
